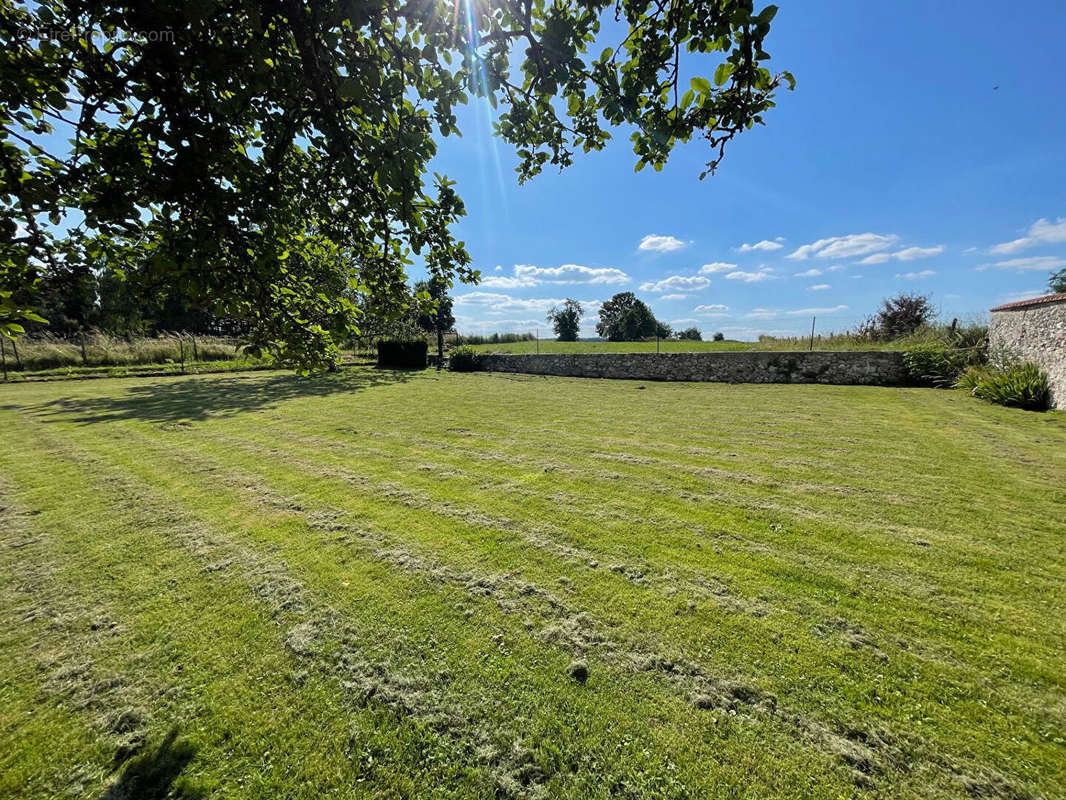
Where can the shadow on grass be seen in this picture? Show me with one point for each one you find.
(194, 399)
(155, 773)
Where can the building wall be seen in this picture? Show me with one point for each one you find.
(864, 368)
(1037, 334)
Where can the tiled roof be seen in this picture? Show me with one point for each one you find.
(1036, 301)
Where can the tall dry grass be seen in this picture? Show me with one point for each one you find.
(98, 349)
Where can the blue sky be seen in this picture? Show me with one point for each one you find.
(895, 165)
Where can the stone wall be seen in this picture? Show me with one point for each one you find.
(842, 367)
(1035, 331)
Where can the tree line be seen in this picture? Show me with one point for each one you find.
(623, 318)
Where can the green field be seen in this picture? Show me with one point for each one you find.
(387, 584)
(673, 346)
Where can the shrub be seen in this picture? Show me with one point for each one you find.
(720, 337)
(935, 364)
(1021, 386)
(690, 335)
(972, 378)
(464, 359)
(902, 315)
(402, 353)
(970, 337)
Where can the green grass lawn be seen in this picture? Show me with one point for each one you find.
(388, 584)
(671, 346)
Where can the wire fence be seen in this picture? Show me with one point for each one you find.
(99, 349)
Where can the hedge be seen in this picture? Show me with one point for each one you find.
(402, 353)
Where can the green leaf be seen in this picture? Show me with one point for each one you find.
(767, 15)
(721, 75)
(701, 85)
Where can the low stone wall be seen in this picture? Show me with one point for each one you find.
(871, 368)
(1035, 330)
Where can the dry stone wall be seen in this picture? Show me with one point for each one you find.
(882, 368)
(1035, 333)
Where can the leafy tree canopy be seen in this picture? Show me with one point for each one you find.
(690, 335)
(1057, 282)
(899, 316)
(267, 160)
(625, 318)
(435, 314)
(566, 321)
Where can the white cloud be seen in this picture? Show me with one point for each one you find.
(526, 275)
(913, 276)
(906, 254)
(495, 303)
(803, 312)
(716, 267)
(505, 282)
(770, 313)
(1047, 263)
(911, 253)
(676, 283)
(712, 310)
(673, 297)
(684, 321)
(764, 274)
(809, 273)
(473, 325)
(819, 287)
(850, 246)
(660, 244)
(876, 258)
(765, 244)
(570, 273)
(834, 268)
(498, 267)
(1042, 231)
(1014, 297)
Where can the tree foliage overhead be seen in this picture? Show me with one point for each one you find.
(268, 160)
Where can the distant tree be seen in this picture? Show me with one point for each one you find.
(719, 337)
(435, 316)
(624, 318)
(690, 335)
(662, 330)
(566, 321)
(902, 315)
(67, 299)
(1057, 281)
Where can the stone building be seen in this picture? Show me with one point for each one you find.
(1035, 330)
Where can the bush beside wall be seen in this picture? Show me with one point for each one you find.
(464, 359)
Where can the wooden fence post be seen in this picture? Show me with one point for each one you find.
(181, 350)
(84, 356)
(3, 356)
(18, 358)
